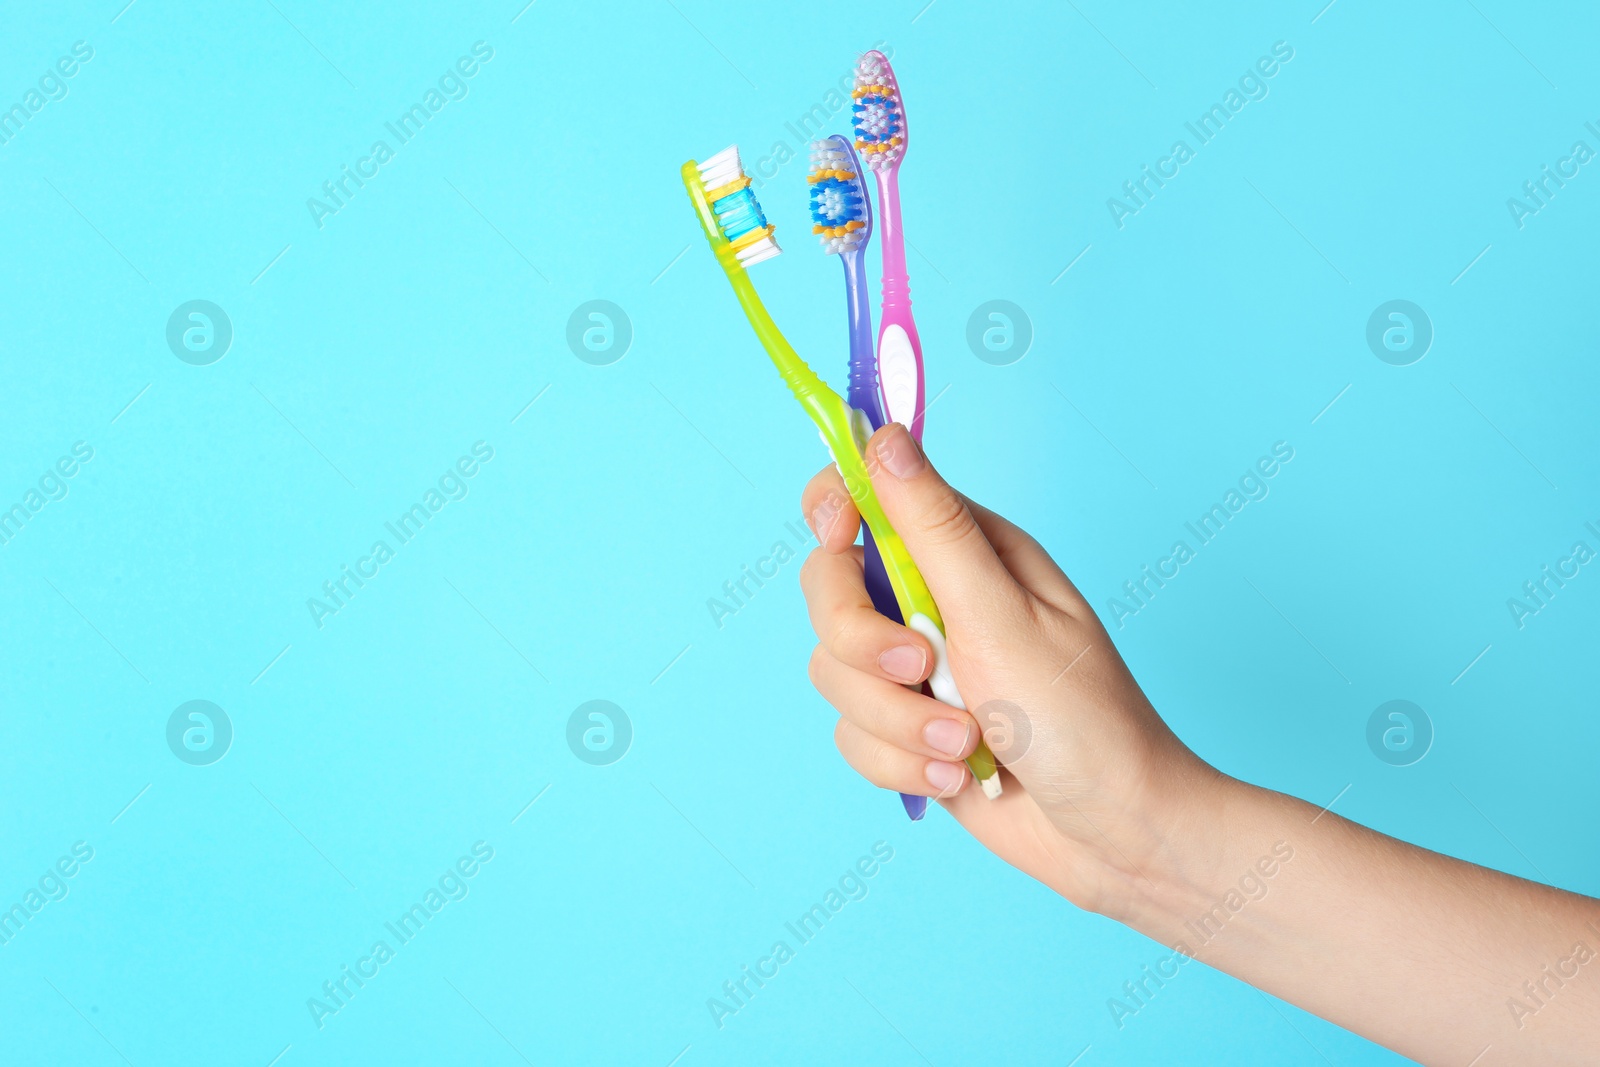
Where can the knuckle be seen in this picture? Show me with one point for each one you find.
(848, 640)
(946, 520)
(840, 729)
(878, 763)
(808, 570)
(816, 488)
(815, 664)
(832, 513)
(866, 755)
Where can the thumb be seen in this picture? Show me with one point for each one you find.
(956, 559)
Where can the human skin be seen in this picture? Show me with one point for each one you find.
(1427, 955)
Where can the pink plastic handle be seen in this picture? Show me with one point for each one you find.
(900, 369)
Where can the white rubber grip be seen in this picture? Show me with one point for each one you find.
(941, 681)
(897, 376)
(860, 429)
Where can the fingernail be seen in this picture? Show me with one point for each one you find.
(947, 736)
(947, 778)
(899, 454)
(904, 662)
(822, 518)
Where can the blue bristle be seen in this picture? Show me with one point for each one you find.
(738, 214)
(851, 206)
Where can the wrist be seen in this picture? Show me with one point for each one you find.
(1172, 850)
(1220, 850)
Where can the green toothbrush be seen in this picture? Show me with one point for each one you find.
(741, 237)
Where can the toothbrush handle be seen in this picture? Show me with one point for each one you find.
(882, 595)
(899, 366)
(878, 587)
(864, 396)
(836, 421)
(899, 346)
(863, 391)
(914, 600)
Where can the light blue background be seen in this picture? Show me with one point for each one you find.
(426, 314)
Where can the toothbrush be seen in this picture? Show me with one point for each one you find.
(741, 237)
(841, 216)
(879, 117)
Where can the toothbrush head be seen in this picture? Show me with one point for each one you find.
(841, 212)
(878, 113)
(728, 207)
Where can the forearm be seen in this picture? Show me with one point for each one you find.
(1431, 956)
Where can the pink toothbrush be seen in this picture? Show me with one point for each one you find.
(880, 126)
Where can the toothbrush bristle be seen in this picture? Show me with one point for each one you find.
(877, 113)
(738, 213)
(841, 215)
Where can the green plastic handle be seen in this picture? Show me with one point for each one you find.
(844, 431)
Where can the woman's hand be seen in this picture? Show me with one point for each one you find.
(1094, 777)
(1444, 961)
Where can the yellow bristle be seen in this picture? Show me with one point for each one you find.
(713, 195)
(881, 146)
(751, 238)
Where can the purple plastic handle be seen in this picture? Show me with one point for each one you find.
(865, 395)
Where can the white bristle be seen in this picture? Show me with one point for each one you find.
(763, 249)
(722, 168)
(832, 203)
(826, 155)
(869, 70)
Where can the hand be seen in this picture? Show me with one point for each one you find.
(1107, 807)
(1094, 779)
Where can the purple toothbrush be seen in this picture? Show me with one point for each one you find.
(841, 215)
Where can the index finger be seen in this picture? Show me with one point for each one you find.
(829, 511)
